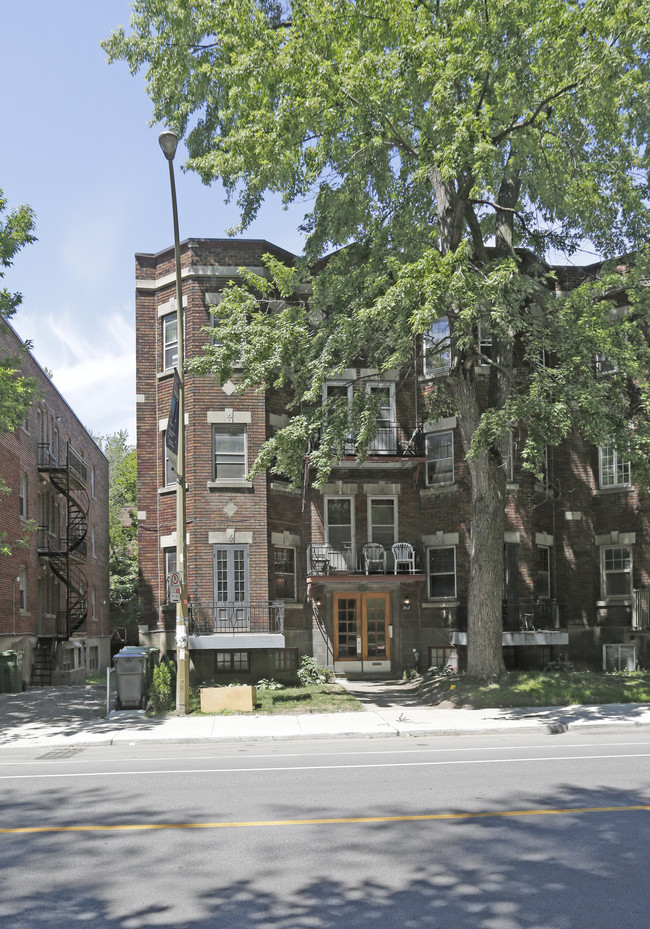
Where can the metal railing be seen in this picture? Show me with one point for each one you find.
(265, 616)
(392, 439)
(641, 608)
(529, 615)
(323, 559)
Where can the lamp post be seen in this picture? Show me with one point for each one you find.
(168, 142)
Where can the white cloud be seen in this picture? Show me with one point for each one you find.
(93, 368)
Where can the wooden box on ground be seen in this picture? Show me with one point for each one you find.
(240, 699)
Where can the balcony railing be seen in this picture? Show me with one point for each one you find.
(392, 439)
(265, 616)
(528, 615)
(323, 559)
(641, 608)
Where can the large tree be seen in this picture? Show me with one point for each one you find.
(439, 145)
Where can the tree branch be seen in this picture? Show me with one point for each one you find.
(515, 126)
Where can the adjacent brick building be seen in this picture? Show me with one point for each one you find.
(274, 573)
(54, 603)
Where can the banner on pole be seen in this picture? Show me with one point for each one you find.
(171, 437)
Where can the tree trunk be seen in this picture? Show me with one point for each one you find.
(485, 593)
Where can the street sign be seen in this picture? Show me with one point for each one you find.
(174, 585)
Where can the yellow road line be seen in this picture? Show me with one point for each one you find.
(333, 821)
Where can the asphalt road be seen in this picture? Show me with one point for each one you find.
(535, 832)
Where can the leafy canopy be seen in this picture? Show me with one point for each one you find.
(438, 146)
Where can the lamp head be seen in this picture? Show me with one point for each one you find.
(168, 141)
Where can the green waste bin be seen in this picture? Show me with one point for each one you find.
(11, 672)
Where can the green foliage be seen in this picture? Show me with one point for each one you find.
(162, 693)
(269, 684)
(442, 147)
(122, 526)
(310, 672)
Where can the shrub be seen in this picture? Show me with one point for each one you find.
(269, 684)
(310, 672)
(162, 694)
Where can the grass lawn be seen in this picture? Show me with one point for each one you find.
(539, 688)
(314, 698)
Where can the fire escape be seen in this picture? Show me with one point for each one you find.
(65, 551)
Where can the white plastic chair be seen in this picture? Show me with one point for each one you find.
(374, 553)
(404, 553)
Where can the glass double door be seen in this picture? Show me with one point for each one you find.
(362, 627)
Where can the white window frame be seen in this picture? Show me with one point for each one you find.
(436, 434)
(436, 358)
(385, 440)
(347, 555)
(604, 573)
(384, 498)
(236, 457)
(167, 345)
(619, 468)
(430, 549)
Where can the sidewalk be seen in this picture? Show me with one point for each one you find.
(388, 712)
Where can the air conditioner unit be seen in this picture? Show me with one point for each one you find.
(619, 657)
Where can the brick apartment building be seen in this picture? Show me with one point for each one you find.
(274, 573)
(54, 603)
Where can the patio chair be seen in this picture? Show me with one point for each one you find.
(374, 554)
(404, 554)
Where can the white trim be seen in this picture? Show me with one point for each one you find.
(441, 539)
(286, 539)
(227, 538)
(228, 416)
(544, 539)
(382, 498)
(166, 309)
(512, 537)
(441, 425)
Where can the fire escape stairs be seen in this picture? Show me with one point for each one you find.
(43, 660)
(64, 557)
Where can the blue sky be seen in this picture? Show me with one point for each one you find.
(78, 148)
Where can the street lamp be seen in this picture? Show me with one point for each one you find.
(168, 142)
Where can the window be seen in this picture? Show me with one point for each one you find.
(440, 458)
(484, 342)
(93, 604)
(230, 573)
(285, 659)
(92, 542)
(385, 440)
(382, 520)
(339, 532)
(22, 496)
(442, 656)
(284, 564)
(170, 341)
(509, 460)
(442, 573)
(92, 479)
(169, 475)
(55, 448)
(616, 572)
(215, 318)
(614, 471)
(544, 572)
(230, 662)
(170, 566)
(605, 366)
(334, 391)
(437, 351)
(229, 453)
(93, 657)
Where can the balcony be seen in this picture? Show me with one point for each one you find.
(236, 625)
(324, 560)
(392, 439)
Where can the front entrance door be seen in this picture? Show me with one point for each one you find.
(362, 631)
